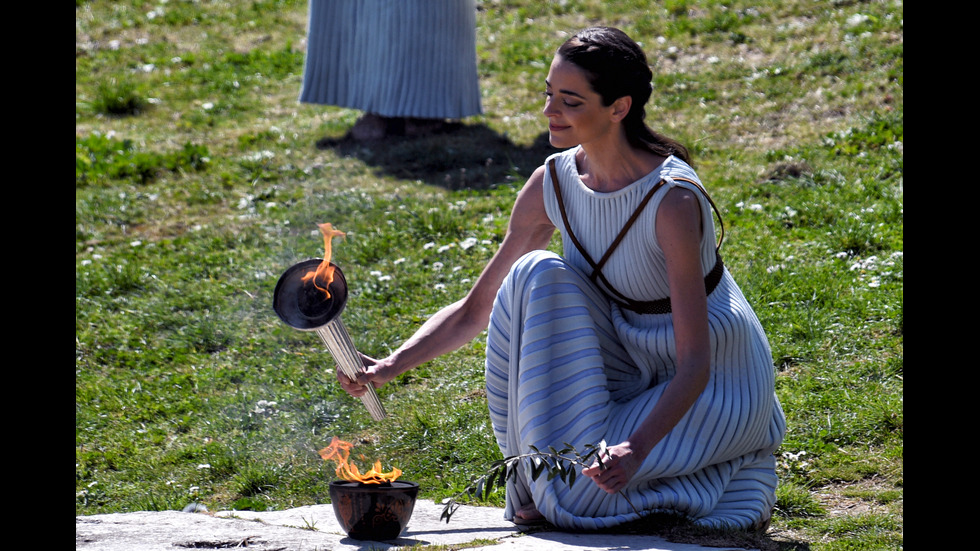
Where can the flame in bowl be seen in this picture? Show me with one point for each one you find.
(339, 452)
(324, 272)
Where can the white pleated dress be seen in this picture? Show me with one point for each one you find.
(566, 365)
(395, 58)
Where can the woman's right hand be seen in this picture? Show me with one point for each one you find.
(373, 375)
(457, 324)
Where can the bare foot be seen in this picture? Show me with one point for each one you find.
(528, 514)
(369, 127)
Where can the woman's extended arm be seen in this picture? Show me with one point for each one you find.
(679, 234)
(460, 322)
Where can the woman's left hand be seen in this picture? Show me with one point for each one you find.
(619, 464)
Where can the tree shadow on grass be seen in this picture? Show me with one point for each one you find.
(461, 157)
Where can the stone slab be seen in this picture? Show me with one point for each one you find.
(315, 528)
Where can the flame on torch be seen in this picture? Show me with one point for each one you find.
(324, 272)
(339, 452)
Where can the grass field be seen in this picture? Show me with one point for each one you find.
(199, 180)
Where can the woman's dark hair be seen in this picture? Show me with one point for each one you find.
(616, 66)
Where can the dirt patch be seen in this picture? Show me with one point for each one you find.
(854, 498)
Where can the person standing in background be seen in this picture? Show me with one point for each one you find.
(410, 65)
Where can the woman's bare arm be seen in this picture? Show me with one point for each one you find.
(460, 322)
(679, 234)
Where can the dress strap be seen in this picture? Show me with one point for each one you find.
(660, 306)
(564, 217)
(626, 226)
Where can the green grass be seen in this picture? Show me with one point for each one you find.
(199, 181)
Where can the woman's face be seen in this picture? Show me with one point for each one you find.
(575, 112)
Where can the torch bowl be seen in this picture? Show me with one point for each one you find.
(301, 304)
(375, 512)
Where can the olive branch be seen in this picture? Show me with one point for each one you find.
(560, 463)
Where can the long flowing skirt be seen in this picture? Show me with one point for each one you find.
(562, 369)
(396, 58)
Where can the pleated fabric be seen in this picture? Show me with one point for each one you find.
(566, 366)
(396, 58)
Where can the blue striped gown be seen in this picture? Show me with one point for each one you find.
(396, 58)
(564, 365)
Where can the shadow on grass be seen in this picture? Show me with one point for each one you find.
(461, 157)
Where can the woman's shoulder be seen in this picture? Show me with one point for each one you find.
(562, 158)
(675, 167)
(566, 168)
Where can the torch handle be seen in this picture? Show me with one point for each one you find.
(338, 341)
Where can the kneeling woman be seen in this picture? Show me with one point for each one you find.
(636, 335)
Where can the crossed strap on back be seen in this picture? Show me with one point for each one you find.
(659, 306)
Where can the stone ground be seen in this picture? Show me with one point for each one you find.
(315, 528)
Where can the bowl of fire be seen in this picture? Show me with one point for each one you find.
(375, 512)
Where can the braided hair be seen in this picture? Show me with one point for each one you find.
(615, 66)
